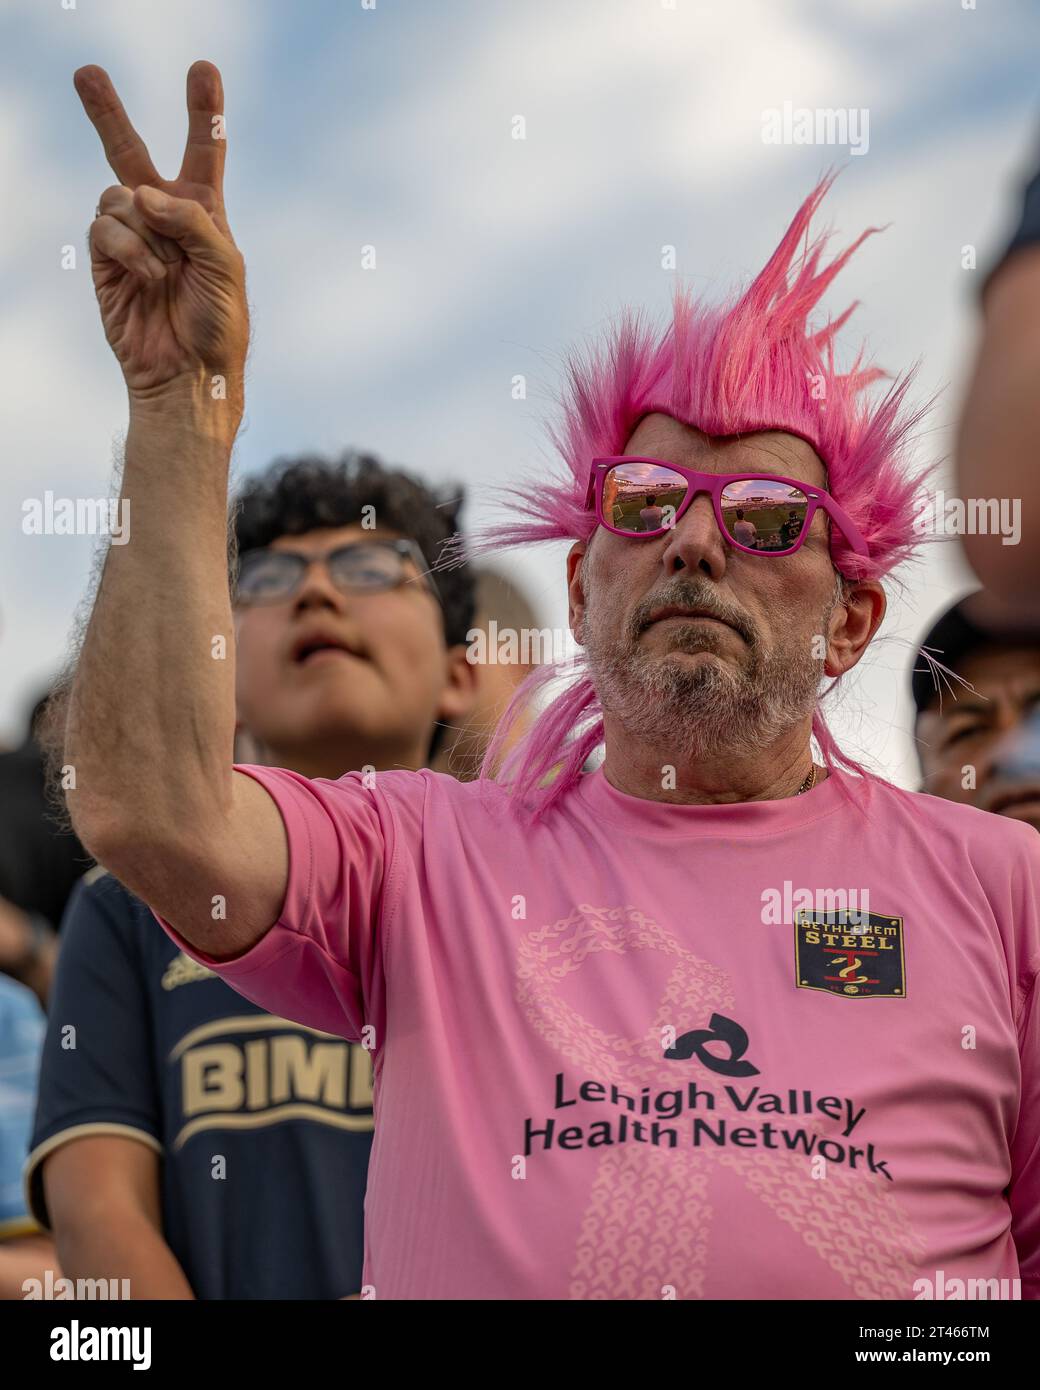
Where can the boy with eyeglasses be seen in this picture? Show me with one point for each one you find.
(188, 1140)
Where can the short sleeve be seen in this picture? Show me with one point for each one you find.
(321, 964)
(98, 1070)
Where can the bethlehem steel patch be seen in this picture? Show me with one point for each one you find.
(855, 955)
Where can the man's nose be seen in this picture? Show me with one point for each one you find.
(1017, 753)
(317, 589)
(695, 542)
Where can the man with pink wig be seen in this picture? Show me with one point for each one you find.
(720, 1019)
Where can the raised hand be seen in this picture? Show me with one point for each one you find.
(169, 279)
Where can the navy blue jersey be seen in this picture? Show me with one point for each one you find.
(263, 1126)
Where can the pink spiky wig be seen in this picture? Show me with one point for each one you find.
(752, 363)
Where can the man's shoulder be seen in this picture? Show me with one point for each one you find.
(981, 833)
(426, 788)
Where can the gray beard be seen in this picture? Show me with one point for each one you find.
(708, 710)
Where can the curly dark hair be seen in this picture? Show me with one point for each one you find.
(308, 491)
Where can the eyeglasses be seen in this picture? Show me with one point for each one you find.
(758, 513)
(360, 567)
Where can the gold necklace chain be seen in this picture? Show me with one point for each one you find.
(809, 782)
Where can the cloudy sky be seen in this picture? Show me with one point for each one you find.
(391, 124)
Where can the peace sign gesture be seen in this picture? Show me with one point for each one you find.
(169, 279)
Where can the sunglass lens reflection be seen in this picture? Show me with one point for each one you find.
(763, 515)
(641, 497)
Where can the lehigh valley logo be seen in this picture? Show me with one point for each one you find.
(857, 955)
(720, 1030)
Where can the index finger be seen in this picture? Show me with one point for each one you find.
(124, 149)
(204, 153)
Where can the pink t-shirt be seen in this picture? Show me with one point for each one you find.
(647, 1051)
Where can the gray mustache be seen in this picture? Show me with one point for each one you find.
(688, 595)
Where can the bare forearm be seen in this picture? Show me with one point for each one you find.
(151, 719)
(23, 1260)
(151, 714)
(128, 1247)
(998, 454)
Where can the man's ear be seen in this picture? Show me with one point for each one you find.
(460, 686)
(855, 620)
(575, 589)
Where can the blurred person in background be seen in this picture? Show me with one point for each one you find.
(26, 1252)
(40, 861)
(190, 1141)
(998, 438)
(503, 602)
(978, 738)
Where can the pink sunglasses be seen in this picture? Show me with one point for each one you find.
(758, 513)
